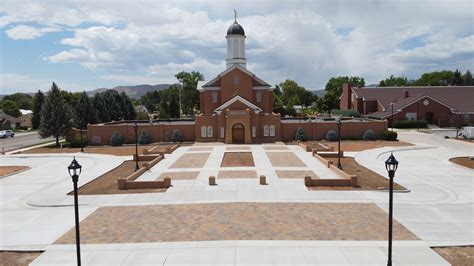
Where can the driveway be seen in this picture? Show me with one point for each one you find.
(22, 140)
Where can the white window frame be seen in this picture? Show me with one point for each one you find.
(272, 131)
(254, 132)
(222, 132)
(411, 116)
(214, 96)
(266, 131)
(259, 96)
(209, 131)
(203, 132)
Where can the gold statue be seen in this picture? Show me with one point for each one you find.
(235, 15)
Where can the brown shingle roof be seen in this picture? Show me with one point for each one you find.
(461, 98)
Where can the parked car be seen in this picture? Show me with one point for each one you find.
(7, 133)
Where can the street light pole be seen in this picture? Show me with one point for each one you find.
(392, 114)
(135, 127)
(74, 171)
(82, 143)
(180, 109)
(391, 165)
(339, 144)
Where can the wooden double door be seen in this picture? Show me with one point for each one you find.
(238, 134)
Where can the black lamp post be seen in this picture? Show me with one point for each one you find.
(135, 127)
(392, 114)
(391, 165)
(82, 143)
(74, 170)
(339, 124)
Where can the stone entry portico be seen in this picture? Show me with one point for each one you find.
(237, 127)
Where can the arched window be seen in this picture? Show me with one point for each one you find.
(254, 132)
(266, 131)
(272, 131)
(203, 132)
(209, 132)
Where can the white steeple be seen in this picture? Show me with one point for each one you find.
(236, 45)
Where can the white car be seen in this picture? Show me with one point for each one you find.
(7, 133)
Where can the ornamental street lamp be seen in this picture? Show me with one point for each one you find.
(339, 124)
(135, 127)
(74, 170)
(391, 165)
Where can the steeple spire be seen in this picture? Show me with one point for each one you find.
(235, 15)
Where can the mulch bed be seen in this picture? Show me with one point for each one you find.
(107, 183)
(366, 179)
(124, 150)
(237, 159)
(464, 161)
(9, 170)
(18, 258)
(357, 145)
(457, 255)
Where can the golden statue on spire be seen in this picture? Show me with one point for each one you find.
(235, 15)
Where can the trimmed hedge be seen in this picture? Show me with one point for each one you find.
(389, 135)
(410, 124)
(331, 135)
(116, 139)
(349, 112)
(176, 136)
(369, 135)
(144, 138)
(299, 135)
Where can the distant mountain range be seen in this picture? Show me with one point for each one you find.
(133, 91)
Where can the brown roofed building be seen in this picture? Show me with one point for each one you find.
(435, 104)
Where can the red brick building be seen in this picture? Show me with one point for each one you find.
(443, 106)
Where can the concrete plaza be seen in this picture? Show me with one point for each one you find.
(438, 210)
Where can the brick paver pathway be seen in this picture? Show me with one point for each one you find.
(295, 174)
(191, 160)
(284, 159)
(236, 221)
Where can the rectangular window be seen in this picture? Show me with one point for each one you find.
(214, 96)
(222, 132)
(272, 131)
(203, 132)
(259, 96)
(254, 132)
(410, 116)
(266, 130)
(209, 132)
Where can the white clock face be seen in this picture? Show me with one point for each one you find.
(426, 102)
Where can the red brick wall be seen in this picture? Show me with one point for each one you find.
(345, 102)
(229, 89)
(441, 113)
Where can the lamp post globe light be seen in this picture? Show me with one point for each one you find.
(391, 164)
(74, 170)
(339, 124)
(135, 127)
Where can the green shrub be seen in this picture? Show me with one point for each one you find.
(389, 135)
(76, 143)
(144, 138)
(331, 135)
(349, 112)
(369, 135)
(410, 124)
(176, 136)
(116, 139)
(299, 135)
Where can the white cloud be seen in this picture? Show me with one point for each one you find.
(24, 32)
(12, 82)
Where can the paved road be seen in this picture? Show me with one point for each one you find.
(22, 140)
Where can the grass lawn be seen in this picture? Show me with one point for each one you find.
(464, 161)
(8, 170)
(107, 183)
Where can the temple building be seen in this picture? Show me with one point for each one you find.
(236, 105)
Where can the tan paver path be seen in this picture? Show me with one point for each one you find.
(275, 148)
(285, 159)
(179, 175)
(201, 149)
(191, 160)
(237, 148)
(236, 221)
(237, 159)
(237, 174)
(295, 174)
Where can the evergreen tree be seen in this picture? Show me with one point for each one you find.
(85, 112)
(467, 79)
(173, 109)
(38, 102)
(55, 115)
(164, 109)
(99, 104)
(456, 79)
(127, 107)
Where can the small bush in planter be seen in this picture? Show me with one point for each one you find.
(176, 136)
(116, 139)
(331, 135)
(369, 135)
(389, 135)
(144, 138)
(299, 135)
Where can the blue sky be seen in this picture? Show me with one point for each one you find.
(83, 45)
